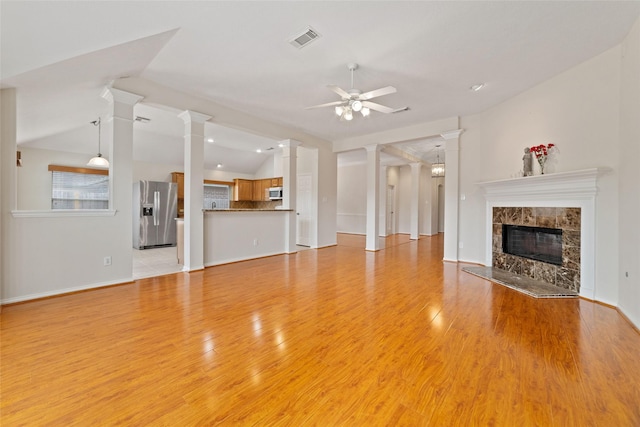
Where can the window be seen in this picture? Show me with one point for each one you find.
(79, 188)
(216, 196)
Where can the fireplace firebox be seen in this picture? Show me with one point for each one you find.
(537, 243)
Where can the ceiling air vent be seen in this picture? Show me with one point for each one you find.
(305, 38)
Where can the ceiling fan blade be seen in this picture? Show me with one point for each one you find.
(377, 107)
(344, 94)
(378, 92)
(328, 104)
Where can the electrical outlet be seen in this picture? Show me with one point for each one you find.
(255, 242)
(107, 261)
(461, 245)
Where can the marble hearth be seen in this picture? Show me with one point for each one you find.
(563, 200)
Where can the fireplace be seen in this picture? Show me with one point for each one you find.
(537, 243)
(542, 243)
(565, 200)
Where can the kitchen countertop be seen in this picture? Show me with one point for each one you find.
(247, 210)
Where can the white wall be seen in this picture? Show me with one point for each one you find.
(327, 172)
(352, 198)
(236, 236)
(629, 188)
(34, 178)
(578, 111)
(403, 190)
(271, 167)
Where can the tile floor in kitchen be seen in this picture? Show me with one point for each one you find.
(155, 262)
(160, 261)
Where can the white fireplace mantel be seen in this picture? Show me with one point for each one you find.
(564, 189)
(554, 186)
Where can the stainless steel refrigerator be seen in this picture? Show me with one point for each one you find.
(154, 212)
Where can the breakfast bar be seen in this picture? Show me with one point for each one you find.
(232, 235)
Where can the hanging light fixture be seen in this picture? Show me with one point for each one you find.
(437, 168)
(98, 161)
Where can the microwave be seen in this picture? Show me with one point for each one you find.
(275, 193)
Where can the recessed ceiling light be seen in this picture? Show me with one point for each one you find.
(477, 87)
(219, 165)
(258, 151)
(210, 140)
(281, 145)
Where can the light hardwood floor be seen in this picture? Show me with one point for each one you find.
(336, 336)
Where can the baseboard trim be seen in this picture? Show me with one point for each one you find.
(63, 292)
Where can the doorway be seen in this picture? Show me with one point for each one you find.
(440, 208)
(391, 208)
(304, 216)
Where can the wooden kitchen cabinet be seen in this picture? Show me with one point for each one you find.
(256, 190)
(178, 178)
(242, 189)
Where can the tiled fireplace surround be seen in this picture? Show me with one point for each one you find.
(566, 199)
(567, 275)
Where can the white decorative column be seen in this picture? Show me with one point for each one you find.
(118, 131)
(415, 201)
(373, 197)
(193, 189)
(289, 191)
(383, 202)
(8, 183)
(451, 190)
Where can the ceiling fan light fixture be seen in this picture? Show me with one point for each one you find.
(355, 100)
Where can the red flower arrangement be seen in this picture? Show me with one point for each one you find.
(541, 152)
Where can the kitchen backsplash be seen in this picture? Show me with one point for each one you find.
(255, 205)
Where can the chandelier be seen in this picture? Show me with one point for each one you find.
(437, 168)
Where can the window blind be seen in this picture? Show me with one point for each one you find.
(70, 190)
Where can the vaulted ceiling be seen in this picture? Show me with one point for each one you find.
(59, 56)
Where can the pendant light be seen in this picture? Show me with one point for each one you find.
(98, 161)
(437, 168)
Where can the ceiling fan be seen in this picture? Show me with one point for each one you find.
(354, 100)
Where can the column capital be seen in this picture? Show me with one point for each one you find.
(373, 147)
(289, 143)
(117, 95)
(451, 134)
(193, 117)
